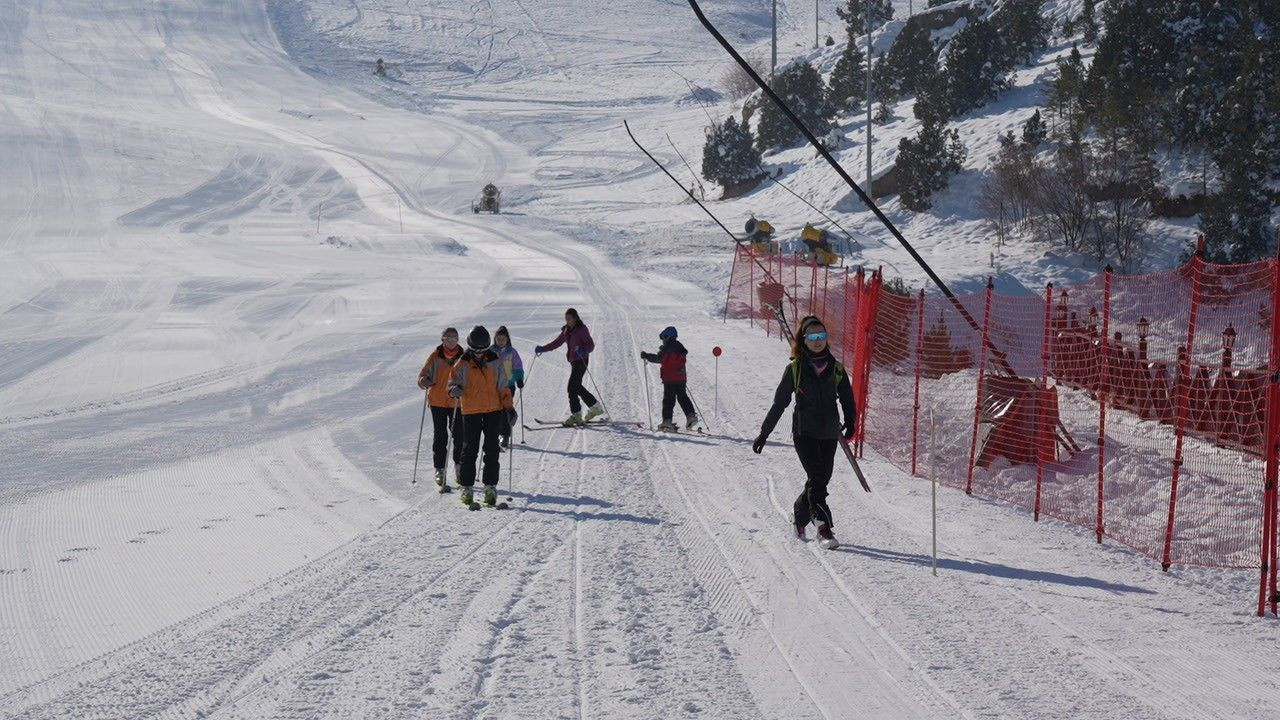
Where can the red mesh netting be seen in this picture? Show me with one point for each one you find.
(1082, 403)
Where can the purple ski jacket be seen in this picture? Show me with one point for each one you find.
(580, 344)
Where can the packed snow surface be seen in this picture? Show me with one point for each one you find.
(228, 246)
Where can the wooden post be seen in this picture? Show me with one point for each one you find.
(1103, 379)
(1182, 385)
(915, 405)
(1042, 432)
(982, 372)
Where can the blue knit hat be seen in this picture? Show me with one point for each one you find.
(667, 332)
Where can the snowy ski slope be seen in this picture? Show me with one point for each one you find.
(227, 247)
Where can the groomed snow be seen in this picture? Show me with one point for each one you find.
(230, 247)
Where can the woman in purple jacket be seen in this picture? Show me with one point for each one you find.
(580, 346)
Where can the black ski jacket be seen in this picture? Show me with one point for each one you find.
(815, 415)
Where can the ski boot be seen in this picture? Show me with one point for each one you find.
(574, 420)
(826, 538)
(691, 420)
(668, 426)
(800, 530)
(490, 495)
(505, 442)
(467, 498)
(593, 412)
(441, 482)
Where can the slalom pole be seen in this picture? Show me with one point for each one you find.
(522, 418)
(716, 385)
(418, 449)
(933, 483)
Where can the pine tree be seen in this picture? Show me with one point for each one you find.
(848, 84)
(974, 73)
(729, 155)
(1066, 91)
(1033, 130)
(854, 15)
(931, 100)
(1022, 29)
(911, 60)
(800, 87)
(1089, 23)
(926, 163)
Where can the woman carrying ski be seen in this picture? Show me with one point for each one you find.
(483, 401)
(580, 346)
(819, 383)
(434, 378)
(510, 374)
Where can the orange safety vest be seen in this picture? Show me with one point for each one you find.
(436, 375)
(476, 386)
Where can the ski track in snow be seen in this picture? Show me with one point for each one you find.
(213, 295)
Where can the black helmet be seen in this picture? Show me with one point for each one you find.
(478, 340)
(667, 332)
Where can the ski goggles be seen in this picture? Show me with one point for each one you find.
(449, 337)
(816, 336)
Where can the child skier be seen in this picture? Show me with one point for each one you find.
(819, 383)
(580, 347)
(483, 402)
(671, 357)
(434, 378)
(510, 375)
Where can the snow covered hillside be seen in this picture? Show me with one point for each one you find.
(228, 246)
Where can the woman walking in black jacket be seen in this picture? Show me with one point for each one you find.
(818, 382)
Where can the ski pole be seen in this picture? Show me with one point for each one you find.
(511, 454)
(453, 447)
(520, 392)
(697, 408)
(647, 404)
(599, 395)
(933, 482)
(417, 450)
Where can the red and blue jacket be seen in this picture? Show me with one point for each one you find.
(671, 357)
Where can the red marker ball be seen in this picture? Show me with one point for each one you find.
(716, 351)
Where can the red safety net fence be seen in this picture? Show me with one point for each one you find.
(1140, 407)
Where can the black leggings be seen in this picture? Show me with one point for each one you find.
(671, 392)
(481, 434)
(818, 457)
(577, 392)
(440, 426)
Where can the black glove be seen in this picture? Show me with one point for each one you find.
(848, 428)
(520, 384)
(644, 355)
(758, 445)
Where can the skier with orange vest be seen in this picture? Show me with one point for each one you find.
(434, 378)
(484, 399)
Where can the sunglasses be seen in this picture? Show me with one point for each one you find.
(816, 336)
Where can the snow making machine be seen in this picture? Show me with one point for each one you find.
(818, 245)
(760, 236)
(490, 196)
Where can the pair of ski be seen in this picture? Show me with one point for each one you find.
(552, 424)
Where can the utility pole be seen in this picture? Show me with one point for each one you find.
(869, 189)
(773, 63)
(815, 24)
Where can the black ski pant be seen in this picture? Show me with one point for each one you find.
(818, 456)
(671, 392)
(441, 427)
(480, 432)
(577, 393)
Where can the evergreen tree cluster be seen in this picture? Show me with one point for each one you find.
(1201, 75)
(926, 163)
(729, 154)
(801, 87)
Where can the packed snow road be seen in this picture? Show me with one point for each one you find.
(221, 276)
